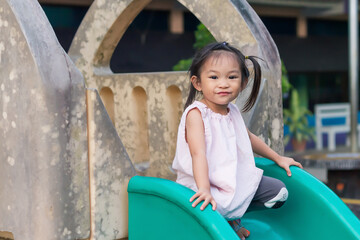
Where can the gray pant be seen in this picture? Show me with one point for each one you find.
(271, 193)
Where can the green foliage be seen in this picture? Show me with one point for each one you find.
(202, 38)
(295, 118)
(183, 65)
(285, 84)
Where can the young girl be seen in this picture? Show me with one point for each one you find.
(214, 153)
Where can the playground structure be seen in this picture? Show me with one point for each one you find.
(146, 107)
(65, 168)
(323, 213)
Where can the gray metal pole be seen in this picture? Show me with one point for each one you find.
(353, 70)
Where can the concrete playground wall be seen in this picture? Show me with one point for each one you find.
(65, 161)
(146, 107)
(63, 169)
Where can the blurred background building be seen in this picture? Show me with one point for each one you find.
(311, 35)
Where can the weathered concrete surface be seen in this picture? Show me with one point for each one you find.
(110, 172)
(141, 109)
(44, 157)
(44, 190)
(162, 109)
(140, 100)
(266, 119)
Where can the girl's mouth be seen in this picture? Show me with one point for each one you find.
(223, 93)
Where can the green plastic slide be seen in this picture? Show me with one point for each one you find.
(160, 209)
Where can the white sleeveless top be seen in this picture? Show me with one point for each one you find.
(233, 176)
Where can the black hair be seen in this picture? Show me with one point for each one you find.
(206, 52)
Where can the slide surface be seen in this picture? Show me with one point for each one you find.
(312, 210)
(160, 209)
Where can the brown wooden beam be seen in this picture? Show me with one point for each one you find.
(301, 27)
(67, 2)
(176, 21)
(167, 5)
(160, 5)
(272, 11)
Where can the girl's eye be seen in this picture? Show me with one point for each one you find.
(233, 77)
(213, 77)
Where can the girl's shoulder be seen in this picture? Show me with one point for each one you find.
(207, 112)
(196, 104)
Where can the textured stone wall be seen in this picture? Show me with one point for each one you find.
(266, 118)
(144, 104)
(110, 171)
(44, 185)
(63, 169)
(145, 112)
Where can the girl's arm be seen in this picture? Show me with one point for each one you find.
(259, 147)
(195, 136)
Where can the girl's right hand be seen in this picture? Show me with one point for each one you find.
(203, 195)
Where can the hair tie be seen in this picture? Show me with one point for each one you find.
(224, 43)
(246, 57)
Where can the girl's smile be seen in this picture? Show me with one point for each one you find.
(220, 81)
(223, 93)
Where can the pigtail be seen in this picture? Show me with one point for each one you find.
(256, 85)
(191, 97)
(194, 69)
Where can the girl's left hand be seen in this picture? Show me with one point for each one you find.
(286, 162)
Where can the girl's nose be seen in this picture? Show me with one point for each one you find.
(223, 83)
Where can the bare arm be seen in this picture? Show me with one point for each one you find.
(259, 147)
(195, 136)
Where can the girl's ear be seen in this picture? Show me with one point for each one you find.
(196, 82)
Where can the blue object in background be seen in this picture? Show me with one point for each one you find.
(340, 138)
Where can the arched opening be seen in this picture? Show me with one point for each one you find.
(141, 153)
(107, 96)
(6, 235)
(160, 35)
(173, 113)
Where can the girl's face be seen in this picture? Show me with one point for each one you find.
(220, 81)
